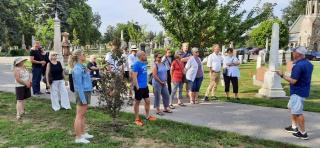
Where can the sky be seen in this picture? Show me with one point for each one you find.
(120, 11)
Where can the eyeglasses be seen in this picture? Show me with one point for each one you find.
(159, 57)
(54, 55)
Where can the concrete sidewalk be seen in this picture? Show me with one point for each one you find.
(254, 121)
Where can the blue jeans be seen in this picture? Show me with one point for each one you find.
(176, 86)
(36, 79)
(160, 91)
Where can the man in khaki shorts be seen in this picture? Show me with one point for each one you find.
(214, 64)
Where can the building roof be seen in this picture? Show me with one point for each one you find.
(295, 28)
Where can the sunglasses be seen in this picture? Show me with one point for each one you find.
(159, 57)
(54, 54)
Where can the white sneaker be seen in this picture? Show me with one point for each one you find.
(82, 140)
(87, 136)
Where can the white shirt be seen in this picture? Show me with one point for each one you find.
(131, 60)
(112, 62)
(233, 71)
(215, 62)
(191, 68)
(126, 63)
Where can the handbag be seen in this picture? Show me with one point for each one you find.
(71, 83)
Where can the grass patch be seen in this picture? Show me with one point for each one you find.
(248, 91)
(42, 127)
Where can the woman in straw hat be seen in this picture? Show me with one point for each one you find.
(23, 83)
(83, 88)
(56, 83)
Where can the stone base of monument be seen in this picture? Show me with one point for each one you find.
(256, 82)
(272, 87)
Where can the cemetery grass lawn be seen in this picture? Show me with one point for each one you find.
(42, 127)
(247, 90)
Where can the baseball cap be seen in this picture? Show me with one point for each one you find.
(301, 50)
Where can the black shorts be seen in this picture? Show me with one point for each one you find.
(23, 93)
(142, 93)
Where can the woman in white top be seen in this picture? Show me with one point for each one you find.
(231, 73)
(23, 85)
(194, 75)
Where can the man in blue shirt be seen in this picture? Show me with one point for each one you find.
(300, 81)
(140, 83)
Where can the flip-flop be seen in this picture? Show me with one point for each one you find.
(181, 104)
(167, 111)
(160, 113)
(171, 107)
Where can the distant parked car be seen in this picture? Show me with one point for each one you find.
(242, 51)
(313, 55)
(255, 51)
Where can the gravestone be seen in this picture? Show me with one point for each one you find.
(281, 52)
(65, 44)
(272, 87)
(23, 43)
(57, 39)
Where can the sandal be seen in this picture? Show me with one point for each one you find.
(167, 111)
(151, 118)
(160, 113)
(171, 106)
(182, 105)
(138, 122)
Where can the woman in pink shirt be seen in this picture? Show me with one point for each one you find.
(176, 72)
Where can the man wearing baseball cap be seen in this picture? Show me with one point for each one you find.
(132, 58)
(300, 81)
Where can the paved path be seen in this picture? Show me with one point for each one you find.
(254, 121)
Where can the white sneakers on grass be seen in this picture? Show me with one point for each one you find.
(84, 139)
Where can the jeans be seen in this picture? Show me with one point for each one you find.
(58, 87)
(160, 91)
(36, 79)
(176, 86)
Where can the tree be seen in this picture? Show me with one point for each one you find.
(109, 34)
(293, 11)
(135, 32)
(160, 38)
(113, 86)
(75, 40)
(45, 32)
(259, 35)
(202, 23)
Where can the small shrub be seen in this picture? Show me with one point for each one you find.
(20, 52)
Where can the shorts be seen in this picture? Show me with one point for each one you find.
(142, 93)
(23, 93)
(189, 85)
(296, 104)
(87, 95)
(126, 75)
(196, 84)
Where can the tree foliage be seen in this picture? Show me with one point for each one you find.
(25, 17)
(259, 35)
(45, 32)
(202, 23)
(293, 11)
(113, 87)
(132, 31)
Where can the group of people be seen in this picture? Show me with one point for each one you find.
(169, 74)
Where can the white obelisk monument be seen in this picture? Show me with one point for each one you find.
(272, 87)
(57, 45)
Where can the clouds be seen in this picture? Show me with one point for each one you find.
(121, 11)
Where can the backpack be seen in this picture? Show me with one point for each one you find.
(151, 76)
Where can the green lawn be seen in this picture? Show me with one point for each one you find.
(42, 127)
(247, 90)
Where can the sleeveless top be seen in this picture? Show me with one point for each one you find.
(24, 76)
(162, 73)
